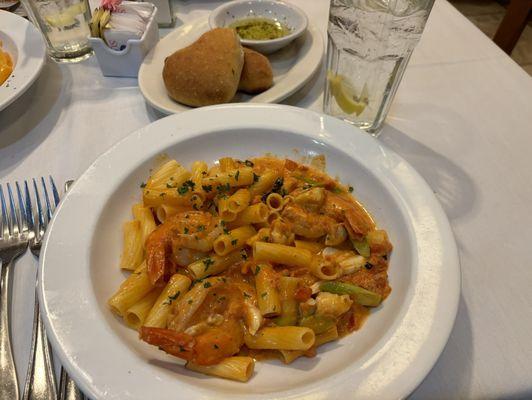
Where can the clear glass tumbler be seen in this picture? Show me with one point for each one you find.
(370, 43)
(64, 25)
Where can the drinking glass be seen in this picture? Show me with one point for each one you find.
(64, 25)
(370, 43)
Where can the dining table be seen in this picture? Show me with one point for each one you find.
(462, 117)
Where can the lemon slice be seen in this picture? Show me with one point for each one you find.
(67, 17)
(345, 96)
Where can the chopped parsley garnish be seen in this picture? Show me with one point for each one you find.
(368, 265)
(237, 175)
(215, 346)
(207, 262)
(223, 188)
(185, 231)
(185, 187)
(170, 299)
(143, 185)
(350, 189)
(207, 188)
(207, 285)
(244, 255)
(162, 194)
(249, 163)
(247, 295)
(263, 294)
(181, 348)
(170, 186)
(225, 231)
(201, 228)
(255, 177)
(190, 301)
(234, 242)
(257, 269)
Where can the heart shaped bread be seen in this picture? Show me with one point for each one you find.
(206, 72)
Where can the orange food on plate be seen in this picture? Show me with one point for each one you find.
(246, 260)
(6, 65)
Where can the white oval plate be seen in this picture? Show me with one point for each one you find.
(25, 45)
(387, 358)
(292, 67)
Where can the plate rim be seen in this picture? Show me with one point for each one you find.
(446, 323)
(196, 24)
(21, 24)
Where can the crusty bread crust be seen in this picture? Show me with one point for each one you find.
(206, 72)
(257, 75)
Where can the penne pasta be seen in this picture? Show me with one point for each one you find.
(263, 183)
(289, 305)
(224, 211)
(165, 211)
(213, 265)
(234, 240)
(169, 175)
(176, 198)
(263, 235)
(137, 313)
(233, 178)
(281, 254)
(226, 164)
(235, 368)
(267, 294)
(239, 200)
(133, 250)
(254, 214)
(281, 338)
(326, 271)
(274, 201)
(313, 247)
(289, 356)
(177, 285)
(134, 288)
(145, 217)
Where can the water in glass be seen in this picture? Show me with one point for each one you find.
(370, 43)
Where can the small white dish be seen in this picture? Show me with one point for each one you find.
(387, 358)
(25, 45)
(287, 14)
(292, 67)
(126, 62)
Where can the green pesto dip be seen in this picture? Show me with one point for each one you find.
(259, 29)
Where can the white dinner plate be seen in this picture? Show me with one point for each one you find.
(292, 67)
(387, 358)
(25, 45)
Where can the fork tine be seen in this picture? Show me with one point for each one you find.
(15, 218)
(23, 212)
(49, 210)
(5, 217)
(55, 193)
(29, 210)
(39, 206)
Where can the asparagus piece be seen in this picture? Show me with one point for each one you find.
(362, 296)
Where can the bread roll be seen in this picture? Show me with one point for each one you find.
(206, 72)
(257, 75)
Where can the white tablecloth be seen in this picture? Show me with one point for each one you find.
(462, 117)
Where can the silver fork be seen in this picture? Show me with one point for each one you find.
(13, 243)
(40, 380)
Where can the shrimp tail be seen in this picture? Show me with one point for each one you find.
(178, 344)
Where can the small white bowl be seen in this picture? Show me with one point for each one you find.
(287, 14)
